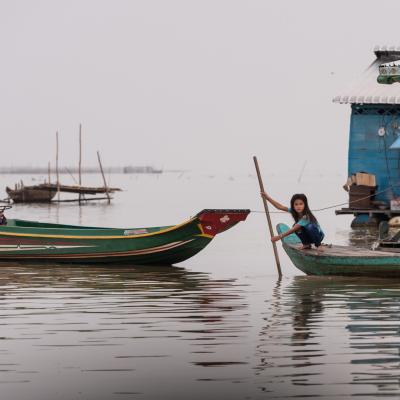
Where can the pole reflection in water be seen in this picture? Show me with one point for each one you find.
(116, 331)
(331, 337)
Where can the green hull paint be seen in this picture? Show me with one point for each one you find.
(39, 242)
(374, 264)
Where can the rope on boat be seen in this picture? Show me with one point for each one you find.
(336, 205)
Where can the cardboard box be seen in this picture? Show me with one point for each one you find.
(360, 179)
(365, 179)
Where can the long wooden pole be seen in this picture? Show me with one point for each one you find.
(271, 231)
(58, 177)
(104, 178)
(48, 172)
(72, 176)
(80, 160)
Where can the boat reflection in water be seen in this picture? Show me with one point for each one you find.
(115, 332)
(331, 337)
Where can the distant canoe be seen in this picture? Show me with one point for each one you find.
(340, 260)
(31, 194)
(33, 241)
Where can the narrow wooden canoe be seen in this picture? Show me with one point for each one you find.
(33, 241)
(340, 260)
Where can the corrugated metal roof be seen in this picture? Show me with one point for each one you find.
(366, 89)
(386, 51)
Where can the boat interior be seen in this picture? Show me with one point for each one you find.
(34, 224)
(20, 223)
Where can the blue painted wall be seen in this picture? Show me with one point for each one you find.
(369, 152)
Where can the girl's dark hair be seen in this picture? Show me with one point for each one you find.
(307, 212)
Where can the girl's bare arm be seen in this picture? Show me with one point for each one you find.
(277, 205)
(295, 228)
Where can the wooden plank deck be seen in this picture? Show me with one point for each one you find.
(369, 211)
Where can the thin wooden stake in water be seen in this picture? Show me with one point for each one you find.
(48, 172)
(271, 231)
(80, 160)
(104, 179)
(58, 177)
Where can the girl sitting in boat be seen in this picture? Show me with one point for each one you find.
(306, 226)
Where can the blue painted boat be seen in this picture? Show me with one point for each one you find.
(340, 260)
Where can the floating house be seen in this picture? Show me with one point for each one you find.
(374, 141)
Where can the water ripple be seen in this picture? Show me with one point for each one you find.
(331, 338)
(110, 330)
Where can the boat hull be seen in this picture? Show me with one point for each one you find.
(38, 242)
(31, 194)
(357, 266)
(340, 260)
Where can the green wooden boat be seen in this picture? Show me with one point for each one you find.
(340, 260)
(34, 241)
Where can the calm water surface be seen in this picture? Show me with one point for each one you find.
(219, 325)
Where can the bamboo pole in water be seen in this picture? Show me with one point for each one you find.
(104, 178)
(80, 160)
(271, 231)
(57, 173)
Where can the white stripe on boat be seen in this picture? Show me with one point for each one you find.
(6, 247)
(150, 250)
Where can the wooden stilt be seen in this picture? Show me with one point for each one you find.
(271, 231)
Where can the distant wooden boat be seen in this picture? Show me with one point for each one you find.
(45, 192)
(33, 241)
(79, 189)
(31, 194)
(340, 260)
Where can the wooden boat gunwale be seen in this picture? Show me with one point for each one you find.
(4, 229)
(5, 232)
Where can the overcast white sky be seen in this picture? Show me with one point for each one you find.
(199, 85)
